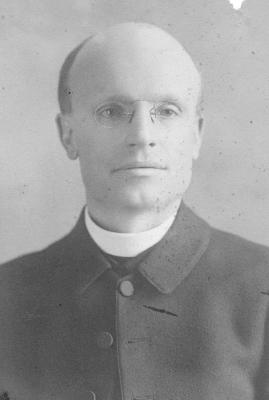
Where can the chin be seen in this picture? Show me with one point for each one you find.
(137, 199)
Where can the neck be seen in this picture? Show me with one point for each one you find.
(126, 221)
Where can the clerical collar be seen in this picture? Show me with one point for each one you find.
(126, 244)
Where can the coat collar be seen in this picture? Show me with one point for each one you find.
(164, 266)
(172, 259)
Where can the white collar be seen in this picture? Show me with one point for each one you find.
(126, 244)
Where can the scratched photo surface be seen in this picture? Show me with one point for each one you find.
(163, 307)
(41, 192)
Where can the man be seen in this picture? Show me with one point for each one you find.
(142, 300)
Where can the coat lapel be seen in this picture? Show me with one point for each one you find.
(172, 259)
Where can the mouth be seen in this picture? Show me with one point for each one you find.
(140, 166)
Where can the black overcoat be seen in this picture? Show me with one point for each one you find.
(196, 326)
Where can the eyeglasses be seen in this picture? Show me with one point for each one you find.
(116, 114)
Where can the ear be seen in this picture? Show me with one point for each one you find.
(198, 136)
(66, 135)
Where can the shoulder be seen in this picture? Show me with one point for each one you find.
(238, 262)
(227, 255)
(233, 248)
(32, 271)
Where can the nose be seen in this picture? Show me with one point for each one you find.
(141, 129)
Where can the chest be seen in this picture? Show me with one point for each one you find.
(125, 337)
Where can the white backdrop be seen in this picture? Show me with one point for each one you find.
(41, 194)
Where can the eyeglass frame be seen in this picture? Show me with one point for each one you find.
(152, 112)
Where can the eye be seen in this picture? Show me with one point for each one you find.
(167, 111)
(110, 112)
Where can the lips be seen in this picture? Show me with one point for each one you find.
(140, 165)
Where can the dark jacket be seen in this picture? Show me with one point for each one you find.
(195, 328)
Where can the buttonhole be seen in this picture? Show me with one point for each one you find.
(160, 310)
(137, 340)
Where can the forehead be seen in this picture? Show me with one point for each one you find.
(134, 68)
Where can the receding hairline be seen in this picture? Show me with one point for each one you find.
(64, 89)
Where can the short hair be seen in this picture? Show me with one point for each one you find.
(64, 90)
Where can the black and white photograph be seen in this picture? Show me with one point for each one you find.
(134, 200)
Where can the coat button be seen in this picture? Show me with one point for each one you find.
(104, 340)
(92, 395)
(126, 288)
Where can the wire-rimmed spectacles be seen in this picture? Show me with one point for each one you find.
(116, 114)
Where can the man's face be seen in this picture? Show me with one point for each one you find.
(134, 125)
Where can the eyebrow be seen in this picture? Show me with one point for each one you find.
(160, 99)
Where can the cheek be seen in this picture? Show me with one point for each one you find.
(180, 148)
(93, 146)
